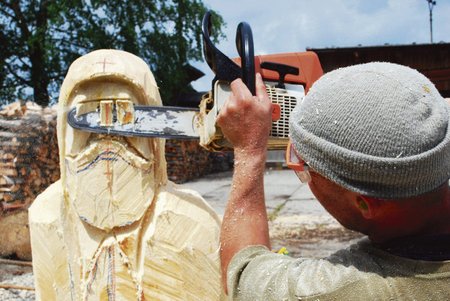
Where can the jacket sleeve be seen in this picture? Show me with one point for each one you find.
(255, 273)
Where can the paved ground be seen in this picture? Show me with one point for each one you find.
(297, 220)
(285, 194)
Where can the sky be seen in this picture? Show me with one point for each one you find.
(293, 25)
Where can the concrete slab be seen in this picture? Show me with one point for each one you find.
(297, 221)
(214, 188)
(285, 194)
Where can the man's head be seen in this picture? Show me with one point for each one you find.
(379, 130)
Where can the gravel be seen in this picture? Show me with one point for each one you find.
(16, 275)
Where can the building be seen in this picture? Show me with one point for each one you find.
(433, 60)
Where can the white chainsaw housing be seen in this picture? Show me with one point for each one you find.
(211, 137)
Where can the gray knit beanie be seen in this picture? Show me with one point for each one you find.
(378, 129)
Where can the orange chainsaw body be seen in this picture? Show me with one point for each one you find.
(307, 62)
(284, 99)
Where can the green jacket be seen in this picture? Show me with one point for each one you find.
(361, 272)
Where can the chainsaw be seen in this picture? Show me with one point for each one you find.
(287, 77)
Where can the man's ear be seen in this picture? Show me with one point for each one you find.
(367, 206)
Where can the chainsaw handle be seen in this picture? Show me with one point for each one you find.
(222, 66)
(244, 45)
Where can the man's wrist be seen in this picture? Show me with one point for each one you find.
(250, 157)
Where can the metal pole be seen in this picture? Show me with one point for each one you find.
(431, 4)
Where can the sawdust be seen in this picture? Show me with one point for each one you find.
(314, 236)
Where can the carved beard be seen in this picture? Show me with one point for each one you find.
(108, 185)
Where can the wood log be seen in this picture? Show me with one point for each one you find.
(14, 233)
(16, 287)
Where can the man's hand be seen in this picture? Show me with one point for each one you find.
(245, 119)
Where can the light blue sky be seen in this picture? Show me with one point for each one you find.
(292, 25)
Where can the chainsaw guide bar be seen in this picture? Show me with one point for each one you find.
(158, 122)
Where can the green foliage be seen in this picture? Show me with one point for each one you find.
(41, 38)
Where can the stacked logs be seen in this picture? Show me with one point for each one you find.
(29, 159)
(187, 160)
(29, 163)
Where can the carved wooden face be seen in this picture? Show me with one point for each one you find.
(110, 180)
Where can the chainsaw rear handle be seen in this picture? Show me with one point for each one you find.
(282, 70)
(244, 45)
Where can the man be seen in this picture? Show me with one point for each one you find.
(373, 141)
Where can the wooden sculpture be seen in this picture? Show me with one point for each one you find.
(113, 227)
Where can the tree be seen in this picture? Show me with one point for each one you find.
(42, 37)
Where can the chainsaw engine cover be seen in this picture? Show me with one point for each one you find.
(211, 137)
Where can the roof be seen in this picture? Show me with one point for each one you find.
(430, 59)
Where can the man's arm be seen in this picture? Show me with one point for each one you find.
(245, 121)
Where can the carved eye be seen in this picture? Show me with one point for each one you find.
(124, 111)
(106, 112)
(110, 110)
(114, 101)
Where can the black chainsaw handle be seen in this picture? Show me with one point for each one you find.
(244, 45)
(222, 66)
